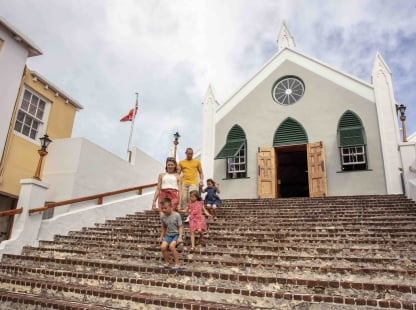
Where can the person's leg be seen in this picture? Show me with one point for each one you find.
(165, 254)
(214, 211)
(192, 240)
(201, 237)
(172, 247)
(209, 208)
(185, 195)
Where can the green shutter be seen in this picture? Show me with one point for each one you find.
(290, 132)
(236, 139)
(350, 130)
(231, 149)
(350, 136)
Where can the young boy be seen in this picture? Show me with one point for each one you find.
(171, 233)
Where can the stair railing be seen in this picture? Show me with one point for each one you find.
(99, 197)
(11, 212)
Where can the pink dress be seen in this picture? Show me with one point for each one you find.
(197, 218)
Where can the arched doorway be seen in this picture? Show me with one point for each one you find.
(293, 167)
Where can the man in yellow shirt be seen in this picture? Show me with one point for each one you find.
(190, 168)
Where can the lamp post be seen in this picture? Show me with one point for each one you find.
(402, 108)
(175, 143)
(44, 142)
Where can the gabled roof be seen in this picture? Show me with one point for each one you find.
(341, 78)
(20, 37)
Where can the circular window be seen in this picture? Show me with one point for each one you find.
(288, 90)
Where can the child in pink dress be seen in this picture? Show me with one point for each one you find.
(197, 221)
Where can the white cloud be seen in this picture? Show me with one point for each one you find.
(103, 51)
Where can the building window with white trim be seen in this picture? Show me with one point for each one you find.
(353, 158)
(236, 166)
(234, 151)
(31, 115)
(352, 142)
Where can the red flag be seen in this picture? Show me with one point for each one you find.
(129, 117)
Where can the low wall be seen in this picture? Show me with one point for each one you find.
(28, 229)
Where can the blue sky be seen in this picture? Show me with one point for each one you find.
(101, 52)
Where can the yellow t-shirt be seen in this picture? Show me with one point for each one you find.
(190, 170)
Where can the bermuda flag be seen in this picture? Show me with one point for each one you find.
(131, 115)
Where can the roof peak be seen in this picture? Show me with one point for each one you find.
(285, 38)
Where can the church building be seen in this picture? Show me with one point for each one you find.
(301, 128)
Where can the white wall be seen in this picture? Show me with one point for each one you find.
(76, 167)
(408, 161)
(12, 62)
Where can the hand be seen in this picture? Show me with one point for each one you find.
(179, 240)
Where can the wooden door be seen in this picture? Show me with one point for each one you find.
(316, 170)
(266, 184)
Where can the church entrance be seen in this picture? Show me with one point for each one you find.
(292, 171)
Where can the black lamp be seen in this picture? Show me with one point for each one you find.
(176, 135)
(44, 143)
(402, 109)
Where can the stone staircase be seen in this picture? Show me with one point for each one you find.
(356, 252)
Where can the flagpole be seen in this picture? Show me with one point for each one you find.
(132, 126)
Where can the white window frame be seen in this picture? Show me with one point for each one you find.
(353, 155)
(40, 130)
(236, 166)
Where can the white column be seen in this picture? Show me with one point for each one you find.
(388, 125)
(26, 227)
(210, 105)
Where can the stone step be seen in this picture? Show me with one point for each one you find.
(98, 288)
(302, 253)
(272, 262)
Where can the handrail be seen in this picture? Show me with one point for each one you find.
(11, 212)
(92, 197)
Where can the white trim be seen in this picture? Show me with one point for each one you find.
(20, 37)
(56, 89)
(341, 78)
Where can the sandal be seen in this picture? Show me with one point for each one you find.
(192, 249)
(177, 268)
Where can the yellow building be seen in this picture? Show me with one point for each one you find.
(40, 108)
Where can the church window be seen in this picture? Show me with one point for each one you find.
(352, 142)
(288, 90)
(234, 151)
(31, 115)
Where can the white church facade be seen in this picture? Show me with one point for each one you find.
(301, 128)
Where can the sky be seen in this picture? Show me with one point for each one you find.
(101, 52)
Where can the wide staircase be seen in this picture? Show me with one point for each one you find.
(355, 252)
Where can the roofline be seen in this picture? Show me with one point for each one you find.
(273, 58)
(33, 49)
(57, 90)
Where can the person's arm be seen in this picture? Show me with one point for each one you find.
(217, 188)
(179, 168)
(157, 191)
(162, 233)
(180, 232)
(201, 188)
(179, 180)
(201, 176)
